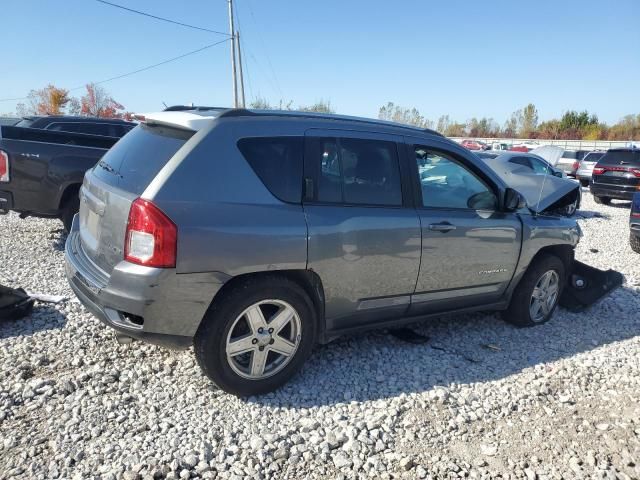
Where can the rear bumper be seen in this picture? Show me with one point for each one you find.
(621, 192)
(155, 305)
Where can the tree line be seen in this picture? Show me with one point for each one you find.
(52, 100)
(523, 123)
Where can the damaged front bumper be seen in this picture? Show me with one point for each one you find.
(586, 285)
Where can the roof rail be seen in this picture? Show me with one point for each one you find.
(198, 108)
(243, 112)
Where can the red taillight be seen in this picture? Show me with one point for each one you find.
(4, 166)
(576, 165)
(636, 172)
(151, 236)
(598, 171)
(635, 215)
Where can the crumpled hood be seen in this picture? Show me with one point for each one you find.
(540, 191)
(550, 153)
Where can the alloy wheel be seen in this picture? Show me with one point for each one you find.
(545, 296)
(263, 339)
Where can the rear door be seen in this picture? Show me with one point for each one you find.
(115, 182)
(469, 248)
(364, 234)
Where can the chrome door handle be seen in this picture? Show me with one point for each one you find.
(443, 227)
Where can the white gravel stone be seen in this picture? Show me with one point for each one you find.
(556, 401)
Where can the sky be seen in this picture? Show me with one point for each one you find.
(459, 58)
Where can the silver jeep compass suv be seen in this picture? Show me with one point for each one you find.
(252, 235)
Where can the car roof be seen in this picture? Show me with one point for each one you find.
(199, 117)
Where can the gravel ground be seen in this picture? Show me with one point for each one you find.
(481, 399)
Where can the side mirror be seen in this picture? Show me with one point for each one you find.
(482, 201)
(513, 200)
(557, 174)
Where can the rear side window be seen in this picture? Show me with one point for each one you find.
(278, 163)
(135, 160)
(91, 128)
(621, 157)
(356, 171)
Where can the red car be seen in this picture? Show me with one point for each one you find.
(519, 148)
(474, 145)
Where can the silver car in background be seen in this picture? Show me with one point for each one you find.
(585, 167)
(253, 235)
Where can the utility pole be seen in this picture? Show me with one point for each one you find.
(233, 55)
(242, 104)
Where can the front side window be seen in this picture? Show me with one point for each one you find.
(356, 171)
(446, 183)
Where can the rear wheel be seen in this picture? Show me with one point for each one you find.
(256, 337)
(584, 183)
(536, 296)
(601, 200)
(634, 241)
(69, 209)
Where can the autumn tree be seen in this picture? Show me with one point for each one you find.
(455, 129)
(529, 120)
(510, 129)
(410, 116)
(50, 100)
(443, 124)
(98, 103)
(484, 127)
(321, 106)
(628, 128)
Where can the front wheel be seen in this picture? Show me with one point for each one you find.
(257, 336)
(536, 296)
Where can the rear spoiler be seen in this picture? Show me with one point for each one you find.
(52, 136)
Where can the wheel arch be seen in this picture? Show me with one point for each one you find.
(564, 252)
(69, 191)
(308, 280)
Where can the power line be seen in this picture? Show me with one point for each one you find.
(158, 64)
(264, 48)
(149, 67)
(161, 18)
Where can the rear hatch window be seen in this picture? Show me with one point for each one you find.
(621, 158)
(137, 158)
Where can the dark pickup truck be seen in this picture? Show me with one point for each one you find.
(41, 170)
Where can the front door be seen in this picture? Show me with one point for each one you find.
(364, 234)
(469, 249)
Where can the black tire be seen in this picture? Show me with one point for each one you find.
(518, 312)
(70, 208)
(634, 241)
(584, 183)
(211, 337)
(601, 200)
